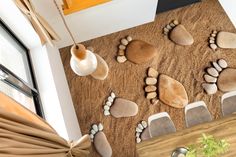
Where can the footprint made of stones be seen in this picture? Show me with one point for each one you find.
(142, 132)
(219, 76)
(178, 33)
(136, 51)
(119, 107)
(168, 90)
(100, 141)
(222, 39)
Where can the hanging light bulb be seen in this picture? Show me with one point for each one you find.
(83, 62)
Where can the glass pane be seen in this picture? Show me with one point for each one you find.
(14, 57)
(26, 101)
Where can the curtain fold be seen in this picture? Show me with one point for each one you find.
(43, 29)
(21, 137)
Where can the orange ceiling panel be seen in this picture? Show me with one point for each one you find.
(71, 6)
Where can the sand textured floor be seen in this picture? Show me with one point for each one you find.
(185, 64)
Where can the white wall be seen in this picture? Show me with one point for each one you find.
(99, 20)
(50, 75)
(230, 8)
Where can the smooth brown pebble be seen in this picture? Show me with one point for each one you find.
(121, 52)
(226, 40)
(150, 88)
(176, 22)
(210, 79)
(222, 63)
(172, 92)
(181, 36)
(213, 72)
(122, 47)
(213, 46)
(152, 72)
(102, 145)
(151, 95)
(217, 66)
(210, 88)
(139, 52)
(124, 42)
(129, 38)
(227, 80)
(123, 108)
(150, 81)
(121, 59)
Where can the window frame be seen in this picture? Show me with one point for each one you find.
(32, 91)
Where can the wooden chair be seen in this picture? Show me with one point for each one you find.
(228, 103)
(160, 124)
(197, 113)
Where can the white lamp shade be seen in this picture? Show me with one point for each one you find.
(85, 66)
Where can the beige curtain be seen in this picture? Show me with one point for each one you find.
(43, 29)
(21, 137)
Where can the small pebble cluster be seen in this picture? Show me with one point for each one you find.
(170, 26)
(139, 129)
(151, 85)
(212, 40)
(212, 75)
(121, 53)
(94, 130)
(108, 104)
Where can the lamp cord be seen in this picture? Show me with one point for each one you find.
(64, 21)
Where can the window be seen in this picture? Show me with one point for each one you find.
(16, 75)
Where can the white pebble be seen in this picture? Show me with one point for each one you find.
(216, 65)
(121, 59)
(91, 136)
(213, 46)
(172, 24)
(100, 127)
(106, 113)
(95, 127)
(110, 99)
(108, 103)
(129, 38)
(176, 22)
(122, 47)
(222, 63)
(138, 130)
(124, 42)
(144, 124)
(93, 132)
(137, 134)
(138, 140)
(113, 95)
(106, 107)
(213, 72)
(140, 126)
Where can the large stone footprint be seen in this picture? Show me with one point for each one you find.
(178, 33)
(119, 107)
(136, 51)
(219, 76)
(222, 39)
(170, 91)
(100, 141)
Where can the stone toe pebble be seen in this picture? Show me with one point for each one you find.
(151, 82)
(108, 104)
(122, 47)
(210, 88)
(142, 132)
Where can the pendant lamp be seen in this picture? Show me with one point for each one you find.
(83, 62)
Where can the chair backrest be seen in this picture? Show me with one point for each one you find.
(12, 106)
(228, 103)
